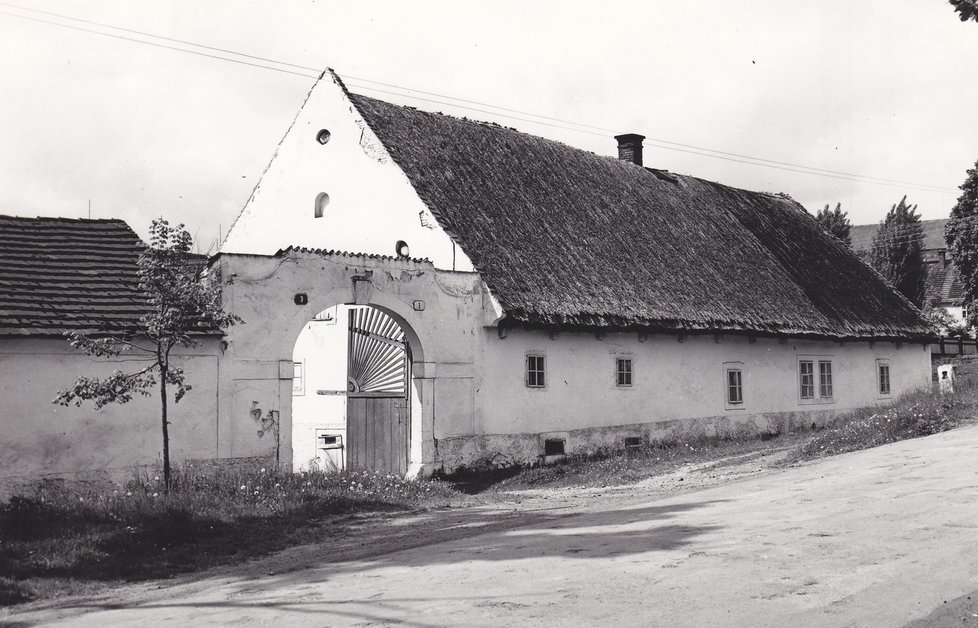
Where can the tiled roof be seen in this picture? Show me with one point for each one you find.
(944, 286)
(62, 274)
(862, 236)
(566, 238)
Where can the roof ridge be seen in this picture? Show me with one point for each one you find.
(337, 253)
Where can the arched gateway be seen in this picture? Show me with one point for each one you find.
(278, 295)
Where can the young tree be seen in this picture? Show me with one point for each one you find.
(961, 234)
(835, 222)
(967, 9)
(897, 251)
(181, 306)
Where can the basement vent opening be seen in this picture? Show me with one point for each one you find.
(323, 136)
(632, 442)
(553, 447)
(322, 200)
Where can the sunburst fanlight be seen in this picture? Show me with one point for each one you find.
(378, 354)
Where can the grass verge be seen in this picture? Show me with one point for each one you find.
(72, 538)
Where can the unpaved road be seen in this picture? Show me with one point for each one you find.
(876, 538)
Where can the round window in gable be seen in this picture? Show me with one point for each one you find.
(402, 249)
(322, 200)
(323, 136)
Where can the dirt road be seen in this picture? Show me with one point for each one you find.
(877, 538)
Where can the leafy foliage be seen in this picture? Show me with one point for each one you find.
(835, 222)
(967, 9)
(182, 306)
(961, 234)
(944, 324)
(897, 252)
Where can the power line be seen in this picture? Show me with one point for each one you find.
(555, 122)
(150, 43)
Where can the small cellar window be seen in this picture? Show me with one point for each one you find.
(553, 447)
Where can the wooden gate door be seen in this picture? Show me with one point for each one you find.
(378, 405)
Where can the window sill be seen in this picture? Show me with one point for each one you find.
(819, 401)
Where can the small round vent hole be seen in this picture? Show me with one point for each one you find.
(323, 136)
(402, 249)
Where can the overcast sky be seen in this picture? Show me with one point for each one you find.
(879, 89)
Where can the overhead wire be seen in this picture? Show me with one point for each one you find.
(554, 122)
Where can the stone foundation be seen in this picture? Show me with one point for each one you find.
(507, 450)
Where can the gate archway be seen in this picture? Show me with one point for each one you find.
(353, 398)
(440, 314)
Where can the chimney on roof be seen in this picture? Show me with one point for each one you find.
(630, 147)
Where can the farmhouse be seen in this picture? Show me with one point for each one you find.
(421, 293)
(425, 292)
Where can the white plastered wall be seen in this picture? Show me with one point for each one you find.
(372, 204)
(44, 438)
(672, 379)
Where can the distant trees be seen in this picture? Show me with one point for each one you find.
(967, 9)
(961, 234)
(835, 222)
(897, 251)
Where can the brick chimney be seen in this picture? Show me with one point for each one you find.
(630, 147)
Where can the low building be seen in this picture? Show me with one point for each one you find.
(60, 275)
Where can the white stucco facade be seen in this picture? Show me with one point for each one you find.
(472, 405)
(42, 438)
(372, 205)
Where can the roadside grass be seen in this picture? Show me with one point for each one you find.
(70, 538)
(74, 538)
(615, 467)
(913, 415)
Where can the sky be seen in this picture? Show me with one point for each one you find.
(880, 93)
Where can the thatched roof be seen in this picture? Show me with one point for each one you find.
(566, 238)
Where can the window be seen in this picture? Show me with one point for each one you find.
(535, 377)
(825, 379)
(322, 200)
(553, 447)
(623, 371)
(735, 388)
(806, 373)
(298, 381)
(883, 377)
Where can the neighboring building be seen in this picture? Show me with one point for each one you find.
(60, 275)
(564, 301)
(944, 287)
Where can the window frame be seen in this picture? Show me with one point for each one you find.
(817, 380)
(628, 373)
(810, 385)
(881, 365)
(825, 382)
(741, 402)
(299, 365)
(540, 373)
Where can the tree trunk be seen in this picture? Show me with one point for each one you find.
(166, 433)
